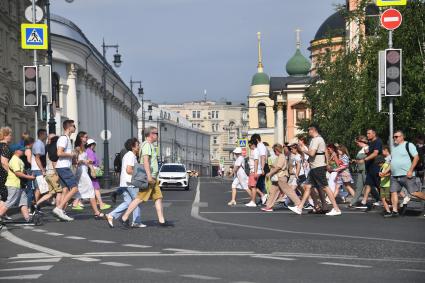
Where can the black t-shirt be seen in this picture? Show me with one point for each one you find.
(5, 152)
(374, 145)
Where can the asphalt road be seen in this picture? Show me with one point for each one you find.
(214, 242)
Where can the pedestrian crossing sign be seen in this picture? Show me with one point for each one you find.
(34, 36)
(243, 143)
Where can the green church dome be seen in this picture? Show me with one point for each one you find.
(260, 79)
(298, 65)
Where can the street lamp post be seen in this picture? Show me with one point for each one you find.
(140, 94)
(117, 62)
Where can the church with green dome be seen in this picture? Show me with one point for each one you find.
(277, 104)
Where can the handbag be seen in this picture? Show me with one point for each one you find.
(139, 178)
(42, 184)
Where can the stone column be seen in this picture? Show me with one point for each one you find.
(71, 99)
(61, 111)
(280, 129)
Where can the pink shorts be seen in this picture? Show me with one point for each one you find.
(252, 181)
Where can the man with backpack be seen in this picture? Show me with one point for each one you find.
(404, 159)
(63, 168)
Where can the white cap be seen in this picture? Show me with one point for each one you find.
(293, 141)
(91, 141)
(238, 150)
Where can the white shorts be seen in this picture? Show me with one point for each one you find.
(240, 183)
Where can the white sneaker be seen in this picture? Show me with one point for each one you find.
(295, 209)
(251, 204)
(378, 203)
(264, 199)
(406, 200)
(138, 225)
(59, 213)
(333, 212)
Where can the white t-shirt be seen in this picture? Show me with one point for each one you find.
(37, 148)
(262, 151)
(64, 142)
(240, 162)
(296, 158)
(255, 155)
(129, 159)
(319, 160)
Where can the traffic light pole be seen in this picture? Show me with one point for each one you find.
(35, 64)
(391, 99)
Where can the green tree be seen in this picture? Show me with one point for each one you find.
(343, 97)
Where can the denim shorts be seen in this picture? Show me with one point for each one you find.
(67, 178)
(397, 183)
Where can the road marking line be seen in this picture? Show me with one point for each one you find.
(54, 234)
(345, 265)
(86, 259)
(137, 246)
(32, 255)
(181, 250)
(40, 230)
(110, 254)
(21, 277)
(116, 264)
(37, 260)
(195, 214)
(102, 241)
(28, 227)
(273, 257)
(200, 277)
(75, 238)
(32, 268)
(412, 270)
(154, 270)
(18, 241)
(263, 213)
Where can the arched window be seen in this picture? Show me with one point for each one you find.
(262, 117)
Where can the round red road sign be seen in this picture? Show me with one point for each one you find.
(391, 19)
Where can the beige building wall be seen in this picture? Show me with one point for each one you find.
(225, 122)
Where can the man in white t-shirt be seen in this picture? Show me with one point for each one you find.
(255, 172)
(129, 192)
(240, 179)
(37, 158)
(67, 179)
(317, 175)
(263, 154)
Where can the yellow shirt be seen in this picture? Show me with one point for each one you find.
(385, 181)
(15, 165)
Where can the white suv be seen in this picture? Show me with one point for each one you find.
(173, 175)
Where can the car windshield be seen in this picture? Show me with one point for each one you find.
(172, 168)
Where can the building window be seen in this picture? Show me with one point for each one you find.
(193, 114)
(216, 114)
(262, 117)
(301, 114)
(198, 114)
(214, 140)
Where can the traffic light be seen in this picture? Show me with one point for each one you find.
(393, 72)
(30, 86)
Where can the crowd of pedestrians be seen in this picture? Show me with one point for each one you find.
(55, 170)
(321, 177)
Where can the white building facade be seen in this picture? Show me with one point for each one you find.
(78, 68)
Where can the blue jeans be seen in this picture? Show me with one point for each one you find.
(31, 186)
(129, 195)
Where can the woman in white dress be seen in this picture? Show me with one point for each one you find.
(85, 185)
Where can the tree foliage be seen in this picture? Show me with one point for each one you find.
(343, 98)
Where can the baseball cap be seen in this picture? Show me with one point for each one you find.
(91, 141)
(237, 150)
(15, 147)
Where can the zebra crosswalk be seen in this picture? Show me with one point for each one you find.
(25, 269)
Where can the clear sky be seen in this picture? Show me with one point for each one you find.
(178, 48)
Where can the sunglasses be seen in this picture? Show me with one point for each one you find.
(396, 137)
(154, 133)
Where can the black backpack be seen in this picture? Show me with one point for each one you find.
(246, 166)
(420, 166)
(117, 163)
(52, 150)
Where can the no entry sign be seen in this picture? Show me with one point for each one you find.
(391, 19)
